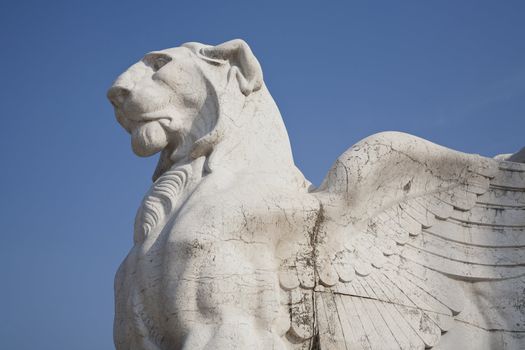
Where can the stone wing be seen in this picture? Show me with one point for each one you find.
(406, 227)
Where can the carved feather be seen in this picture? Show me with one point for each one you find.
(416, 224)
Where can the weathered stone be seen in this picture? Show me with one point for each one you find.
(406, 244)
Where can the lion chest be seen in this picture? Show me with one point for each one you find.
(221, 251)
(219, 248)
(249, 214)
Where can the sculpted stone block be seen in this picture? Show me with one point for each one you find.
(405, 245)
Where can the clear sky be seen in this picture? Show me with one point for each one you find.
(449, 71)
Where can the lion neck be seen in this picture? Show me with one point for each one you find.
(253, 142)
(256, 141)
(255, 145)
(165, 196)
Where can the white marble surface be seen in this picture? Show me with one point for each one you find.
(405, 245)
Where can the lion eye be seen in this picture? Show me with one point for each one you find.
(160, 62)
(156, 60)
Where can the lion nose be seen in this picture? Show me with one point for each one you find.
(117, 95)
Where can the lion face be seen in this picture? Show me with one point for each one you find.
(157, 99)
(169, 99)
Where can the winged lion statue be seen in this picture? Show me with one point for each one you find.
(404, 245)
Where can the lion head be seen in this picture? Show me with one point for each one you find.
(184, 102)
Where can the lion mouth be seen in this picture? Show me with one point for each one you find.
(132, 123)
(164, 121)
(148, 138)
(149, 131)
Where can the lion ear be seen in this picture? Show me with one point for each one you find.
(244, 65)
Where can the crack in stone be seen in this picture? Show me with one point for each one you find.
(490, 329)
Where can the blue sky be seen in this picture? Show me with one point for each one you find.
(449, 71)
